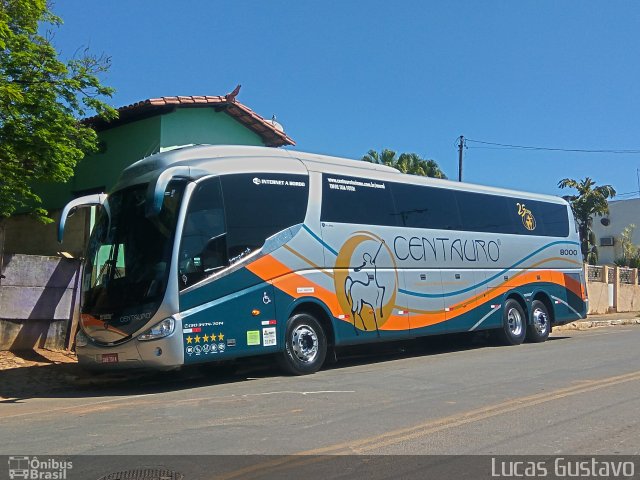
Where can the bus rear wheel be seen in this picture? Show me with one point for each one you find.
(514, 324)
(305, 345)
(540, 327)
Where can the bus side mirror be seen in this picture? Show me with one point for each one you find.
(70, 208)
(157, 187)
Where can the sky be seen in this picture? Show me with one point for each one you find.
(344, 77)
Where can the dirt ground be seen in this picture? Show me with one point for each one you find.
(35, 358)
(25, 374)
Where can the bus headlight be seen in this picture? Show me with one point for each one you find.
(159, 330)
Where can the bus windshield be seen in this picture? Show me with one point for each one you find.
(128, 258)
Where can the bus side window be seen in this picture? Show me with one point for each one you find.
(259, 205)
(203, 248)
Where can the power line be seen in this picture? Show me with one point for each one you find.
(505, 146)
(627, 194)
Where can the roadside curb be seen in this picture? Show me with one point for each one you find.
(586, 324)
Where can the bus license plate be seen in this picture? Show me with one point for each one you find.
(109, 358)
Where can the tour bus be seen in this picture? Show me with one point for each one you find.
(212, 253)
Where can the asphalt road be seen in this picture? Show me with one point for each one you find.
(578, 393)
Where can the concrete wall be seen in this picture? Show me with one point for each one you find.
(612, 289)
(628, 298)
(598, 297)
(36, 301)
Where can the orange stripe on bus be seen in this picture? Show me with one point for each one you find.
(281, 276)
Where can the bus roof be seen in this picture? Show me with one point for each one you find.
(225, 159)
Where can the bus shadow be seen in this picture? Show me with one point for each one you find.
(420, 347)
(68, 380)
(71, 381)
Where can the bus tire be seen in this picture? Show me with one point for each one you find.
(540, 327)
(514, 324)
(305, 345)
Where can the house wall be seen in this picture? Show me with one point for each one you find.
(121, 146)
(187, 126)
(622, 213)
(27, 235)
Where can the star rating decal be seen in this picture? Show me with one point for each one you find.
(206, 337)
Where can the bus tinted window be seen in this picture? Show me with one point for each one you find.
(480, 212)
(259, 205)
(556, 219)
(357, 200)
(540, 218)
(426, 207)
(203, 248)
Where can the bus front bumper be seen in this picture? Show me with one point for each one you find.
(161, 354)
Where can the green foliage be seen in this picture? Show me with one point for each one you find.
(410, 163)
(630, 252)
(589, 201)
(41, 99)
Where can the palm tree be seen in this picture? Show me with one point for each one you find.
(589, 201)
(410, 163)
(385, 157)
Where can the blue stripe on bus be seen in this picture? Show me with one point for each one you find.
(457, 292)
(319, 240)
(464, 290)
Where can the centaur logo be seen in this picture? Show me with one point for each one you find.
(528, 220)
(366, 280)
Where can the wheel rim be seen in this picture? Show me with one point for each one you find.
(540, 321)
(304, 343)
(514, 321)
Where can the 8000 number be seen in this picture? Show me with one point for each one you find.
(568, 252)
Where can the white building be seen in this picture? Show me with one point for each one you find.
(608, 228)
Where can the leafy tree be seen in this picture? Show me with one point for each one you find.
(41, 99)
(410, 163)
(591, 200)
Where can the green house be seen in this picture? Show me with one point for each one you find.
(142, 129)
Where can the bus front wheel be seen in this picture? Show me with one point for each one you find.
(305, 345)
(514, 324)
(540, 327)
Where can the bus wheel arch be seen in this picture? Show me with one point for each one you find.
(306, 340)
(541, 319)
(514, 320)
(321, 313)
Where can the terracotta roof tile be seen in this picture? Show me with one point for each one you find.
(270, 134)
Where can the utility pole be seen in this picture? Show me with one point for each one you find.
(460, 147)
